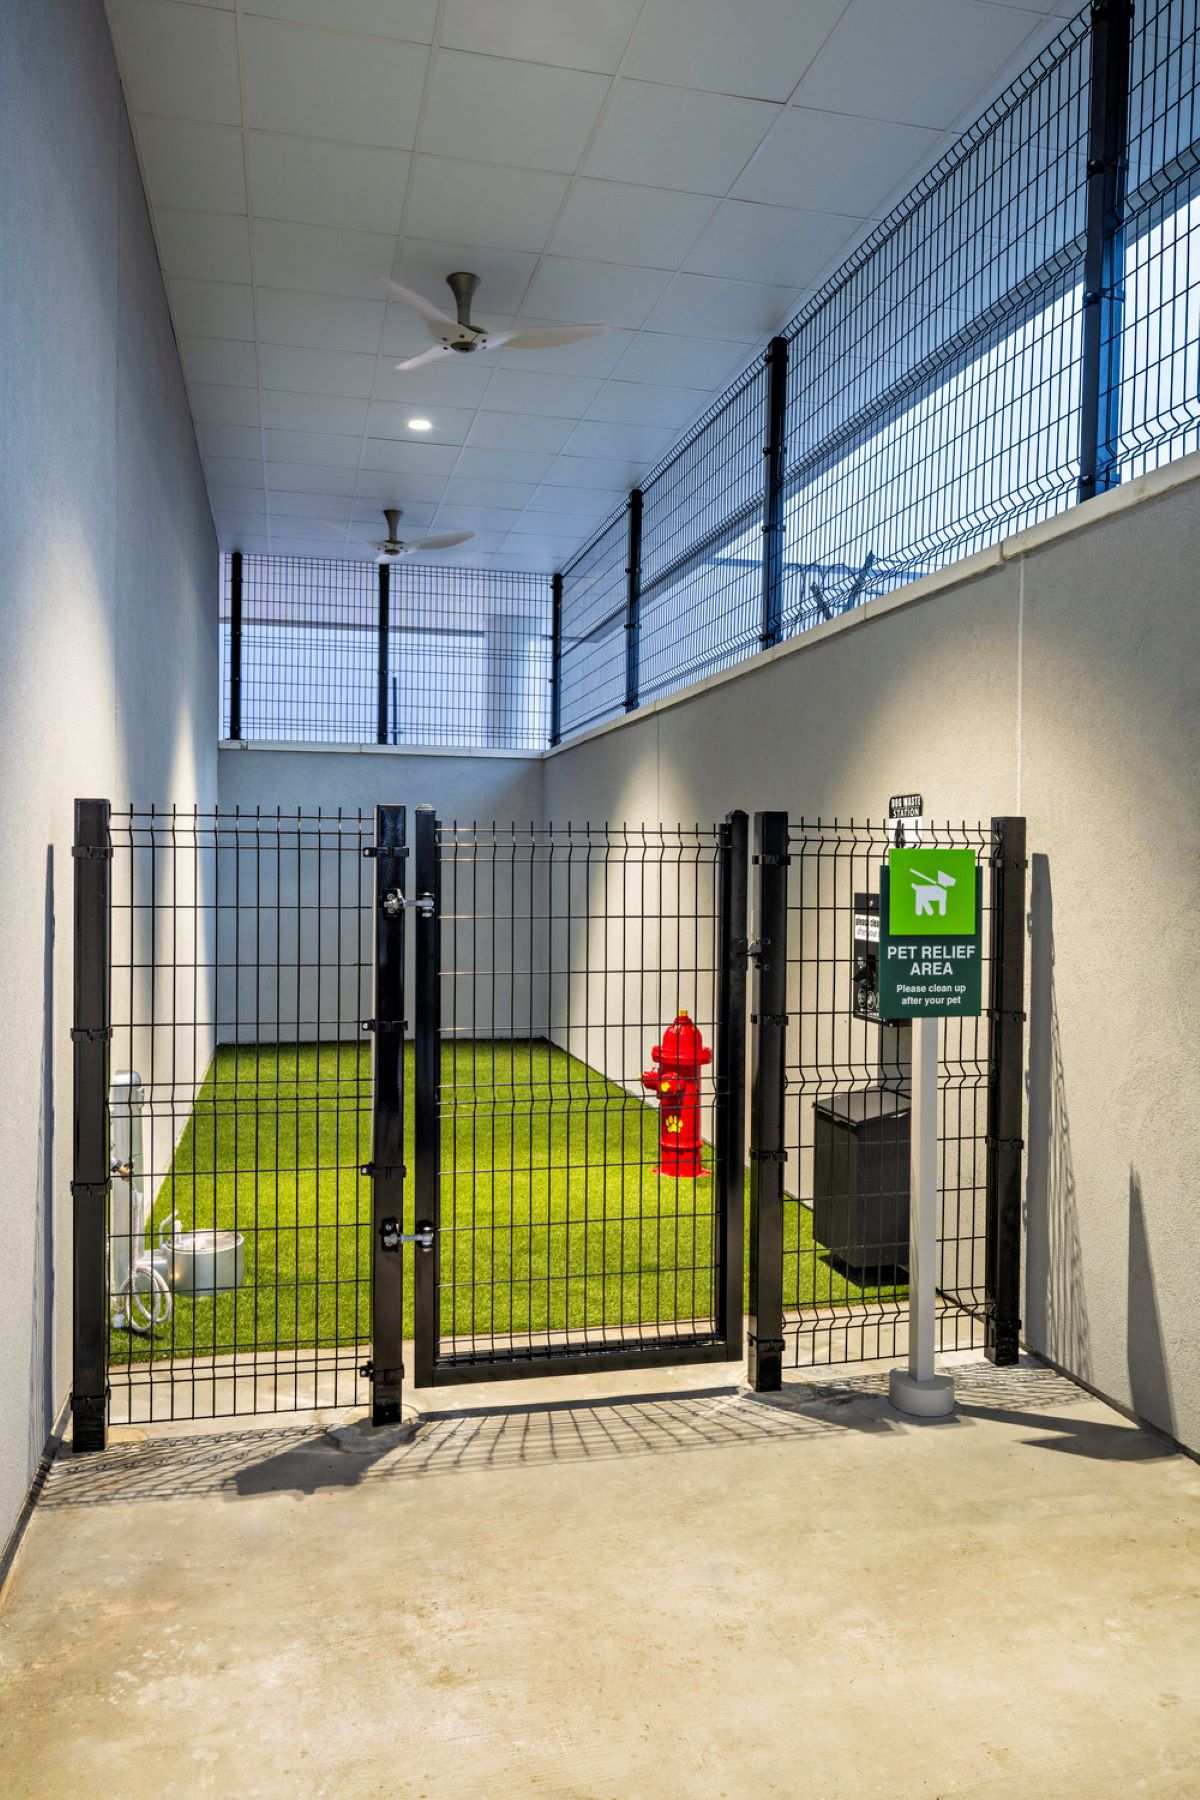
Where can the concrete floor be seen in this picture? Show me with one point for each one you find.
(650, 1585)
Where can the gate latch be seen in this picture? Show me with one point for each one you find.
(391, 1237)
(394, 903)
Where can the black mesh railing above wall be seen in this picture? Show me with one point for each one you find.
(328, 652)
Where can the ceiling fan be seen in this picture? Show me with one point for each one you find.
(460, 334)
(394, 545)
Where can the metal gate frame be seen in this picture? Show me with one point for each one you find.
(766, 1326)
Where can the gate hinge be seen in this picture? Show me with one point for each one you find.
(391, 1237)
(769, 1346)
(386, 1170)
(388, 1376)
(384, 1024)
(1004, 1143)
(399, 851)
(89, 852)
(1008, 1012)
(772, 860)
(768, 1018)
(91, 1034)
(779, 1156)
(90, 1190)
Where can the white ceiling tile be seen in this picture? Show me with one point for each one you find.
(319, 321)
(312, 447)
(229, 440)
(207, 246)
(475, 518)
(574, 34)
(319, 260)
(642, 403)
(215, 309)
(594, 293)
(178, 61)
(596, 356)
(833, 163)
(190, 165)
(219, 360)
(502, 465)
(335, 508)
(477, 203)
(253, 546)
(356, 90)
(237, 499)
(367, 515)
(552, 550)
(579, 503)
(672, 138)
(447, 424)
(423, 264)
(523, 565)
(316, 371)
(488, 110)
(601, 474)
(223, 405)
(457, 381)
(235, 526)
(411, 19)
(383, 487)
(394, 456)
(553, 396)
(355, 187)
(685, 361)
(338, 413)
(233, 472)
(745, 310)
(309, 478)
(556, 525)
(761, 49)
(462, 490)
(640, 443)
(918, 61)
(749, 241)
(613, 221)
(509, 432)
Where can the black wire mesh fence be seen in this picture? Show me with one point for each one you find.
(562, 1235)
(404, 653)
(593, 640)
(240, 1110)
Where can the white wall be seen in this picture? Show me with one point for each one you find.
(1058, 676)
(108, 667)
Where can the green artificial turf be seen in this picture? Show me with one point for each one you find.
(552, 1213)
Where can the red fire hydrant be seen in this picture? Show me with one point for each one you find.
(681, 1055)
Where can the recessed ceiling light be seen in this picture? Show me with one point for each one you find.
(420, 424)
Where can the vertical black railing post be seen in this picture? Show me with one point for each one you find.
(767, 1151)
(387, 1135)
(385, 607)
(235, 645)
(1104, 248)
(427, 1082)
(730, 1132)
(1006, 1087)
(556, 595)
(91, 1176)
(633, 602)
(774, 457)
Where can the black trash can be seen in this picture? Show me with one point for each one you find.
(860, 1178)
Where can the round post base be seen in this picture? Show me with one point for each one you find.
(932, 1399)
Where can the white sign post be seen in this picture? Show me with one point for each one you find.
(917, 1389)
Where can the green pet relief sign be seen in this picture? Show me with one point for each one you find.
(929, 944)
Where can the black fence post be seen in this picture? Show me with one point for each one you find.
(730, 1132)
(1104, 247)
(385, 603)
(91, 1158)
(235, 645)
(767, 1151)
(633, 602)
(427, 884)
(1006, 1087)
(774, 456)
(556, 595)
(387, 1136)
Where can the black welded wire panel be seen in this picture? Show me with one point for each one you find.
(933, 385)
(468, 653)
(1159, 405)
(468, 658)
(846, 1236)
(592, 658)
(242, 965)
(566, 953)
(701, 605)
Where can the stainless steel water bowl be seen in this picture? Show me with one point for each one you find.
(205, 1263)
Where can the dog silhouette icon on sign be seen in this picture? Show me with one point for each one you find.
(930, 894)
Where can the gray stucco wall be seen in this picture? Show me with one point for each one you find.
(1058, 676)
(466, 786)
(108, 671)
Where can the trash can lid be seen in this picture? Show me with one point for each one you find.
(863, 1106)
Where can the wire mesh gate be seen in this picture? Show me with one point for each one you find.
(550, 961)
(829, 1153)
(242, 1113)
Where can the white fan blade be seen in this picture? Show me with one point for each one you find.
(545, 337)
(439, 543)
(424, 309)
(426, 356)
